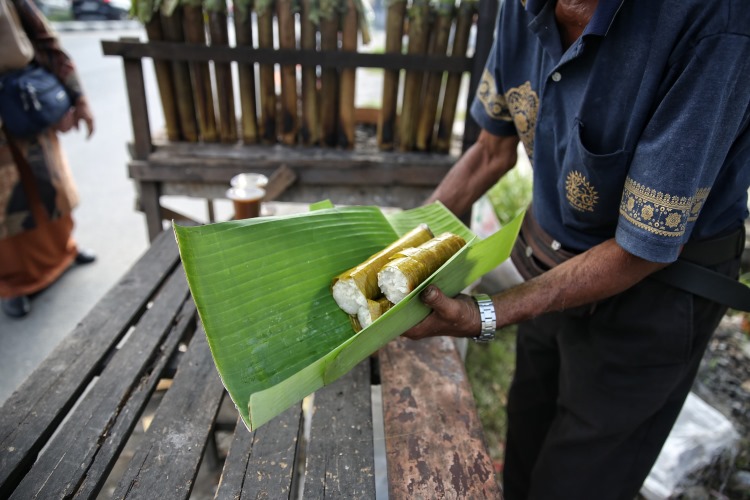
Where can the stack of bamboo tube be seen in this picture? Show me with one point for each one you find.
(429, 100)
(316, 106)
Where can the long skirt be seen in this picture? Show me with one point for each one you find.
(36, 200)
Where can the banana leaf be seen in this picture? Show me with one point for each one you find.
(262, 290)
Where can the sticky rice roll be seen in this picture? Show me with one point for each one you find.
(410, 267)
(353, 287)
(373, 310)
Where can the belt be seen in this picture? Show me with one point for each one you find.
(535, 252)
(688, 272)
(715, 251)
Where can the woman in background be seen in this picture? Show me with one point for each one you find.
(36, 196)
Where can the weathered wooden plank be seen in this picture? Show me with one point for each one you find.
(315, 168)
(279, 181)
(281, 153)
(434, 441)
(340, 458)
(29, 417)
(166, 464)
(109, 452)
(249, 55)
(261, 464)
(383, 196)
(66, 461)
(362, 175)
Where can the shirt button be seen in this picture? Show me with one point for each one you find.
(556, 76)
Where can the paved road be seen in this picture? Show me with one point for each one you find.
(105, 220)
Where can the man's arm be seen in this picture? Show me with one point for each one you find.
(478, 169)
(598, 273)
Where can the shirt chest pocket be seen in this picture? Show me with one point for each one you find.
(590, 186)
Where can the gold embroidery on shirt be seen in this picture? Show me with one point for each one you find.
(494, 102)
(581, 195)
(524, 106)
(657, 212)
(698, 200)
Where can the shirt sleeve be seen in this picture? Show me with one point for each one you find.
(706, 106)
(490, 107)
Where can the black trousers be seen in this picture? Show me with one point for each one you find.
(597, 390)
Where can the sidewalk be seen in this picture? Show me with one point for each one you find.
(105, 220)
(66, 26)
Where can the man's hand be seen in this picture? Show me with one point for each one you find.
(79, 111)
(600, 272)
(458, 317)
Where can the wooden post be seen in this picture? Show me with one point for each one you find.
(267, 124)
(329, 85)
(200, 73)
(419, 33)
(486, 22)
(445, 12)
(310, 125)
(349, 22)
(464, 22)
(243, 28)
(217, 21)
(138, 106)
(393, 44)
(287, 40)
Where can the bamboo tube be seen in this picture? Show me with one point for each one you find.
(419, 29)
(445, 13)
(287, 40)
(329, 24)
(464, 21)
(243, 28)
(171, 16)
(267, 124)
(394, 34)
(195, 32)
(164, 81)
(217, 23)
(310, 124)
(348, 76)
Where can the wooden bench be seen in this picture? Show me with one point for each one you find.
(140, 359)
(203, 170)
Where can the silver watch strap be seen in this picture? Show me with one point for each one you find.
(488, 317)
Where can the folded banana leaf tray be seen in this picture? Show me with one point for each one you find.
(262, 288)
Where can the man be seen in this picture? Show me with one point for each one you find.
(636, 116)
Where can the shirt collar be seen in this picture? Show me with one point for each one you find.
(600, 22)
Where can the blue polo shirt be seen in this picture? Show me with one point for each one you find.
(640, 130)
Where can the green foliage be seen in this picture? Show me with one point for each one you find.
(60, 16)
(490, 366)
(511, 194)
(490, 370)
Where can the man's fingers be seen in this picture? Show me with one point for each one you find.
(433, 297)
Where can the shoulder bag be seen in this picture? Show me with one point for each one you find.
(31, 98)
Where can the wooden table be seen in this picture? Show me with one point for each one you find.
(70, 429)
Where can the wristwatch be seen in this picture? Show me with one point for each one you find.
(488, 317)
